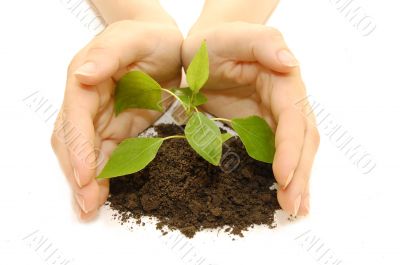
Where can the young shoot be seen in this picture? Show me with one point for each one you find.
(139, 90)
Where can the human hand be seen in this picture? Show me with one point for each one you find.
(252, 72)
(87, 130)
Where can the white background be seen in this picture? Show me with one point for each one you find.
(354, 78)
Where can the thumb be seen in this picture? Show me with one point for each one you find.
(99, 64)
(262, 44)
(120, 45)
(271, 51)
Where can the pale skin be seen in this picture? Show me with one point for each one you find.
(252, 71)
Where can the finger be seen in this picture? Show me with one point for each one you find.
(87, 197)
(261, 44)
(61, 151)
(305, 201)
(271, 51)
(289, 139)
(79, 109)
(82, 216)
(93, 195)
(104, 188)
(279, 94)
(115, 48)
(73, 140)
(295, 194)
(119, 46)
(86, 205)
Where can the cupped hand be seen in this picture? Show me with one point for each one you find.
(252, 72)
(87, 130)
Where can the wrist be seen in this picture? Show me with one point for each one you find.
(217, 12)
(139, 10)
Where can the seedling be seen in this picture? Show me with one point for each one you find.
(138, 90)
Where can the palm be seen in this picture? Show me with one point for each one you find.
(234, 85)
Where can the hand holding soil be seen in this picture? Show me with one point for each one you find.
(88, 107)
(252, 72)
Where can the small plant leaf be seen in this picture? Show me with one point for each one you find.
(130, 156)
(257, 137)
(199, 99)
(204, 137)
(188, 99)
(137, 90)
(225, 137)
(198, 70)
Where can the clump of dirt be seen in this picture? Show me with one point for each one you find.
(185, 192)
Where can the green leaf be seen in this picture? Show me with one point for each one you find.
(257, 137)
(130, 156)
(186, 96)
(137, 90)
(199, 99)
(225, 137)
(204, 137)
(198, 70)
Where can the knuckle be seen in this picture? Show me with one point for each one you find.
(121, 25)
(273, 33)
(56, 139)
(98, 48)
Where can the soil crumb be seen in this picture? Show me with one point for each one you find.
(185, 192)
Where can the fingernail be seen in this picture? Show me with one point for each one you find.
(81, 201)
(77, 179)
(288, 179)
(287, 58)
(77, 210)
(296, 205)
(87, 69)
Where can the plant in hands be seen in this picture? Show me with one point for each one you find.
(138, 90)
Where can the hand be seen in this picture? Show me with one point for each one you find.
(252, 72)
(87, 130)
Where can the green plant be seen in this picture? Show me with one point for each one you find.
(138, 90)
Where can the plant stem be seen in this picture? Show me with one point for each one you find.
(175, 96)
(221, 119)
(174, 137)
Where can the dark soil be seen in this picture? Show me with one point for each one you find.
(185, 192)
